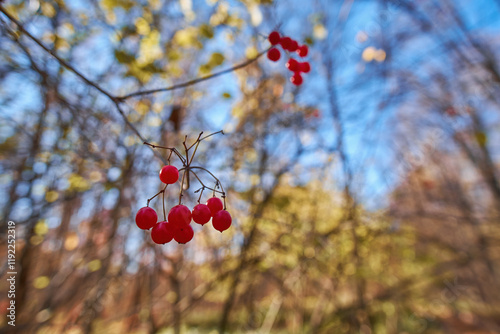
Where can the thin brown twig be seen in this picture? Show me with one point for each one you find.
(161, 191)
(209, 172)
(204, 186)
(182, 185)
(194, 81)
(172, 149)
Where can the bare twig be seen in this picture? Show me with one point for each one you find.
(192, 82)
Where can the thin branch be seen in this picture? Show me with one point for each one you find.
(204, 186)
(172, 149)
(161, 191)
(163, 203)
(196, 141)
(210, 135)
(209, 172)
(194, 81)
(53, 54)
(182, 185)
(201, 193)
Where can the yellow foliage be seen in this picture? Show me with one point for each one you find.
(149, 49)
(47, 9)
(71, 241)
(251, 52)
(41, 228)
(142, 26)
(78, 183)
(94, 265)
(187, 38)
(41, 282)
(51, 196)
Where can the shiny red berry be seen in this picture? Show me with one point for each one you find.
(305, 67)
(162, 233)
(274, 38)
(296, 79)
(146, 218)
(274, 54)
(222, 220)
(183, 233)
(179, 214)
(169, 174)
(201, 214)
(285, 42)
(292, 65)
(293, 46)
(303, 51)
(215, 205)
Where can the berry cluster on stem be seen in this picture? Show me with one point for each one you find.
(289, 45)
(177, 224)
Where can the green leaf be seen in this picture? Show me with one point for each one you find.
(206, 31)
(112, 4)
(205, 69)
(123, 57)
(481, 138)
(216, 59)
(152, 68)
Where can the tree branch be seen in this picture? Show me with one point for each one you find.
(194, 81)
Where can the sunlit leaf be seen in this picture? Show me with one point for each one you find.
(206, 31)
(41, 282)
(123, 57)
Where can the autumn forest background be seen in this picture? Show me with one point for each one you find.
(366, 200)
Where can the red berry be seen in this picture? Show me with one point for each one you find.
(222, 220)
(303, 50)
(183, 233)
(146, 218)
(179, 215)
(169, 174)
(296, 79)
(162, 233)
(274, 38)
(273, 54)
(305, 67)
(215, 205)
(292, 65)
(201, 214)
(285, 42)
(293, 46)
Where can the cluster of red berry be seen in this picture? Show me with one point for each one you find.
(290, 45)
(177, 225)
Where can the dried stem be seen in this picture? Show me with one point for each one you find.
(194, 81)
(172, 149)
(161, 191)
(164, 214)
(209, 172)
(182, 185)
(205, 186)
